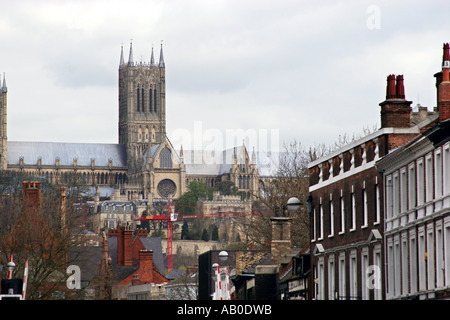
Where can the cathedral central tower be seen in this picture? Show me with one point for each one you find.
(142, 106)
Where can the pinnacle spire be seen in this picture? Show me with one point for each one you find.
(152, 59)
(121, 63)
(130, 56)
(161, 58)
(4, 88)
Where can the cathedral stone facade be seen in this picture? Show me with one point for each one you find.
(143, 165)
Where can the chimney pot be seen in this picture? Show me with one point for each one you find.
(400, 88)
(391, 90)
(395, 110)
(446, 56)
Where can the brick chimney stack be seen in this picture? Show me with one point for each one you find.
(444, 87)
(124, 245)
(31, 193)
(146, 264)
(395, 110)
(127, 247)
(281, 238)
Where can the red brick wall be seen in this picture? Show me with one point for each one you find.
(395, 114)
(444, 101)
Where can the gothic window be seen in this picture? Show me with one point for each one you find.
(166, 188)
(150, 100)
(165, 158)
(146, 134)
(153, 137)
(140, 134)
(154, 101)
(138, 101)
(142, 100)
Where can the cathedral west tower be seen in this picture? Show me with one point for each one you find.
(142, 106)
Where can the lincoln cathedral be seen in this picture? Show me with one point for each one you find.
(143, 164)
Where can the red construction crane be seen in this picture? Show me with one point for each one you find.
(169, 218)
(172, 216)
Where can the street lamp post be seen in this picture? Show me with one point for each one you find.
(291, 205)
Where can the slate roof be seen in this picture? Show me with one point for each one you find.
(87, 258)
(67, 152)
(150, 243)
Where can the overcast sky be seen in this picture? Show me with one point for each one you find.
(285, 70)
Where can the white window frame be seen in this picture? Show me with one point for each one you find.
(429, 177)
(377, 203)
(411, 186)
(395, 195)
(440, 263)
(321, 279)
(320, 220)
(421, 249)
(353, 270)
(377, 291)
(438, 174)
(397, 268)
(413, 262)
(366, 209)
(342, 209)
(403, 191)
(365, 206)
(314, 225)
(390, 267)
(431, 275)
(388, 197)
(365, 293)
(342, 275)
(404, 263)
(331, 278)
(446, 169)
(331, 217)
(353, 208)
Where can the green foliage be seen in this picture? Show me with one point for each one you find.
(186, 203)
(188, 200)
(185, 231)
(226, 188)
(199, 190)
(205, 235)
(215, 233)
(158, 233)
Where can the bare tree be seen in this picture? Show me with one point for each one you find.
(41, 230)
(289, 180)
